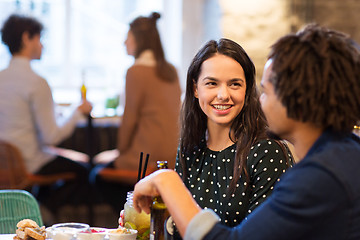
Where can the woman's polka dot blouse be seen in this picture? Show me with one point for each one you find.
(210, 173)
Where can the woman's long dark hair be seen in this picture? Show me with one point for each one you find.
(248, 127)
(147, 37)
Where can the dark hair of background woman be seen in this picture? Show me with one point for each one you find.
(249, 126)
(147, 37)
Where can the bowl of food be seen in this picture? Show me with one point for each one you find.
(94, 233)
(122, 233)
(67, 231)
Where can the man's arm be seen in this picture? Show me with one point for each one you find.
(287, 214)
(42, 104)
(178, 199)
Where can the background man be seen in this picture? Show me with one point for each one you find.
(27, 115)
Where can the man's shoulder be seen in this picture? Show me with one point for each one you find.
(34, 78)
(338, 151)
(340, 158)
(25, 78)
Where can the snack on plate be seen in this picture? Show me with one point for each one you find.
(122, 233)
(120, 230)
(28, 229)
(27, 223)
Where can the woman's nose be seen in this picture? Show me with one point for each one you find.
(223, 93)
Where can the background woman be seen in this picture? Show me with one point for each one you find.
(150, 120)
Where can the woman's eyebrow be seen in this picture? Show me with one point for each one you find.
(216, 80)
(209, 78)
(237, 80)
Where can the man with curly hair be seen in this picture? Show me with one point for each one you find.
(311, 89)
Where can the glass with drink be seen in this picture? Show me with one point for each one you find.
(135, 220)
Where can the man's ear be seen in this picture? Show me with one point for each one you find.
(195, 89)
(25, 38)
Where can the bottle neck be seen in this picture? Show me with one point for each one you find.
(129, 198)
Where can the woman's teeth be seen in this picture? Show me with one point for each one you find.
(221, 107)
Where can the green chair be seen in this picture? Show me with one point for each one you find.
(16, 205)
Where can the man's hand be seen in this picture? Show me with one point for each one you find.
(85, 107)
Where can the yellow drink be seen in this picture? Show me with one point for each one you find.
(135, 220)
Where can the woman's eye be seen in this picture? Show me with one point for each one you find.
(236, 84)
(210, 83)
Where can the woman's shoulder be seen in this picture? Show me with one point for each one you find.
(265, 145)
(193, 153)
(270, 151)
(139, 69)
(138, 74)
(141, 73)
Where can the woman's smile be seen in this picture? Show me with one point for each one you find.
(222, 108)
(221, 89)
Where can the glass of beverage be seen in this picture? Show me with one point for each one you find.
(135, 220)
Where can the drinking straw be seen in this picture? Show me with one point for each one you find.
(140, 166)
(145, 165)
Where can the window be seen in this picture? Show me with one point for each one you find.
(83, 41)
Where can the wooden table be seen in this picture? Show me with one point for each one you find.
(94, 135)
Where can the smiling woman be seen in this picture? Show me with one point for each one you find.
(226, 159)
(221, 90)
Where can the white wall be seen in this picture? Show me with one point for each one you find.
(255, 25)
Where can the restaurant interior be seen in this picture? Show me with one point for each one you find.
(76, 54)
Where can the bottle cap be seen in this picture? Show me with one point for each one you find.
(162, 164)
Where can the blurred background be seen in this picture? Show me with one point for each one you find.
(84, 43)
(83, 39)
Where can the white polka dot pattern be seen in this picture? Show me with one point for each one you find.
(210, 173)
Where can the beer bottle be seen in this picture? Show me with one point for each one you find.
(159, 213)
(171, 232)
(83, 92)
(83, 89)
